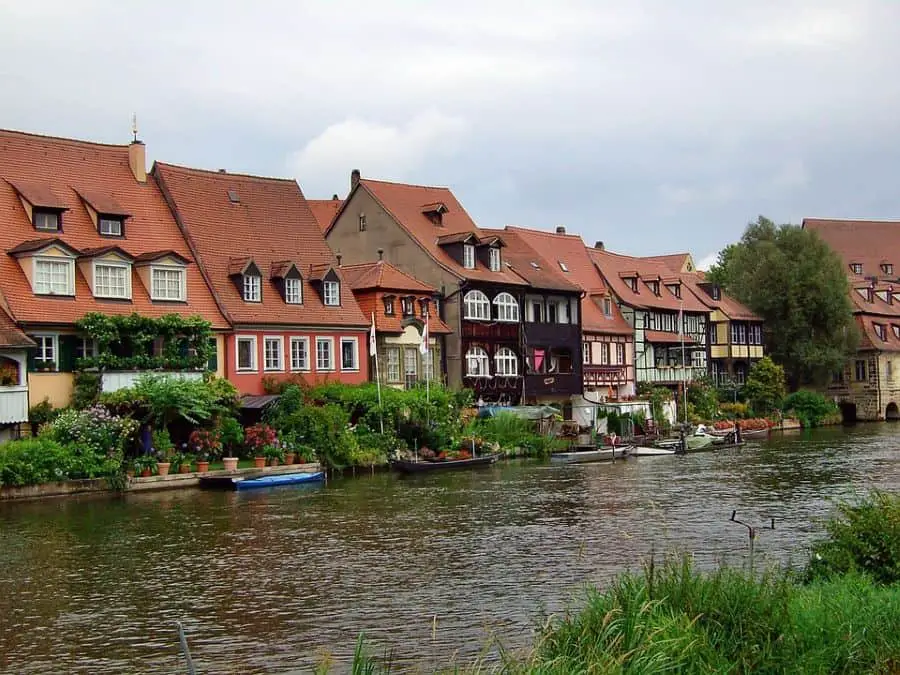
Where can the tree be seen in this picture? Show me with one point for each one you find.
(765, 387)
(716, 273)
(796, 283)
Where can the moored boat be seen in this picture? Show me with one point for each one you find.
(421, 466)
(648, 451)
(592, 455)
(745, 434)
(255, 481)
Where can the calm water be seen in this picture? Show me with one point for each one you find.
(432, 566)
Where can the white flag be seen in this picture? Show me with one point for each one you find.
(373, 351)
(423, 348)
(681, 320)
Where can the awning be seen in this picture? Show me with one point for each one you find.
(258, 402)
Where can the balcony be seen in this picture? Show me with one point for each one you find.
(670, 374)
(114, 380)
(490, 331)
(605, 375)
(553, 384)
(553, 334)
(13, 404)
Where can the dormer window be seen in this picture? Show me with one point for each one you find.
(435, 212)
(887, 268)
(331, 293)
(880, 331)
(252, 288)
(423, 307)
(563, 266)
(46, 221)
(112, 280)
(495, 259)
(716, 293)
(896, 328)
(654, 287)
(675, 289)
(110, 226)
(389, 305)
(607, 307)
(408, 306)
(469, 256)
(293, 291)
(53, 276)
(856, 268)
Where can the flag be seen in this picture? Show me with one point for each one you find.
(681, 320)
(373, 351)
(423, 348)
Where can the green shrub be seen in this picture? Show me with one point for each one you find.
(739, 411)
(810, 407)
(40, 414)
(31, 461)
(86, 390)
(162, 400)
(96, 438)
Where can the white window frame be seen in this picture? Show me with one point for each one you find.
(296, 365)
(89, 348)
(252, 288)
(506, 363)
(331, 293)
(476, 305)
(410, 364)
(278, 364)
(166, 269)
(585, 353)
(428, 363)
(469, 256)
(36, 213)
(293, 291)
(698, 358)
(620, 353)
(507, 307)
(355, 342)
(392, 362)
(41, 349)
(329, 367)
(254, 354)
(477, 355)
(70, 274)
(496, 263)
(112, 265)
(101, 220)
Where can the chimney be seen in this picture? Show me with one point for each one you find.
(222, 171)
(560, 229)
(335, 198)
(137, 160)
(354, 179)
(380, 254)
(599, 246)
(339, 256)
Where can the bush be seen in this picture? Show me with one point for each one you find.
(40, 414)
(809, 407)
(86, 390)
(865, 537)
(765, 387)
(32, 461)
(97, 439)
(509, 432)
(738, 411)
(703, 399)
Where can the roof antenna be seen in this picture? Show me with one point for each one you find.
(134, 128)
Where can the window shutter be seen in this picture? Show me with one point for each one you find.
(31, 358)
(213, 363)
(67, 352)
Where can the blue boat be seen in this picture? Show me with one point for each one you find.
(260, 481)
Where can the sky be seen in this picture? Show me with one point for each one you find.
(654, 126)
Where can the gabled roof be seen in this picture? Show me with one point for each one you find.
(281, 268)
(240, 265)
(38, 194)
(102, 202)
(521, 258)
(383, 276)
(677, 262)
(324, 210)
(103, 250)
(404, 203)
(271, 223)
(866, 242)
(725, 304)
(568, 249)
(153, 256)
(33, 245)
(58, 165)
(10, 334)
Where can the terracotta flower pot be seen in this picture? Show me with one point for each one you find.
(163, 468)
(184, 468)
(274, 461)
(259, 462)
(289, 458)
(146, 472)
(230, 463)
(202, 467)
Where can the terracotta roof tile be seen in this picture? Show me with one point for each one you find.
(102, 250)
(10, 334)
(866, 242)
(38, 194)
(324, 210)
(271, 223)
(528, 264)
(151, 256)
(62, 163)
(101, 202)
(37, 244)
(384, 276)
(280, 269)
(726, 304)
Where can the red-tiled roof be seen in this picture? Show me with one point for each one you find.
(101, 202)
(324, 211)
(869, 338)
(382, 275)
(569, 250)
(725, 304)
(38, 194)
(405, 203)
(674, 261)
(526, 262)
(10, 334)
(866, 242)
(269, 224)
(61, 165)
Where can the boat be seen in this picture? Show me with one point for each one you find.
(589, 455)
(648, 451)
(693, 443)
(422, 466)
(254, 481)
(745, 434)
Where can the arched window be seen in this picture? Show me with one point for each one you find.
(477, 306)
(477, 362)
(506, 362)
(507, 307)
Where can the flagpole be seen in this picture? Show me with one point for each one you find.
(425, 350)
(373, 348)
(683, 363)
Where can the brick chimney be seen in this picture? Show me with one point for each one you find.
(339, 258)
(354, 179)
(380, 253)
(560, 229)
(137, 160)
(335, 198)
(599, 246)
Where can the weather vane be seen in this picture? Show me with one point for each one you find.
(134, 129)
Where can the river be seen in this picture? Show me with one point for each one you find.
(430, 567)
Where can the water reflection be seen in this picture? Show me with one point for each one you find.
(273, 580)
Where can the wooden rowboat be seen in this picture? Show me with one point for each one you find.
(409, 466)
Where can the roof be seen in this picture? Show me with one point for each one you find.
(677, 262)
(666, 338)
(258, 402)
(324, 210)
(384, 276)
(525, 261)
(10, 334)
(867, 242)
(38, 194)
(869, 339)
(371, 302)
(569, 249)
(60, 165)
(406, 203)
(33, 245)
(616, 268)
(725, 304)
(101, 202)
(271, 223)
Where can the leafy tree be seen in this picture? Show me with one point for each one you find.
(796, 283)
(716, 273)
(765, 387)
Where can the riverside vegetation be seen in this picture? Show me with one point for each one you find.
(840, 614)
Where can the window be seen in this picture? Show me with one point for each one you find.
(563, 266)
(111, 281)
(469, 256)
(252, 288)
(607, 307)
(887, 268)
(675, 289)
(273, 353)
(896, 329)
(410, 365)
(654, 287)
(477, 362)
(604, 353)
(837, 377)
(506, 363)
(54, 277)
(46, 353)
(428, 365)
(495, 259)
(167, 284)
(85, 348)
(755, 332)
(407, 304)
(738, 334)
(713, 333)
(246, 353)
(698, 359)
(716, 293)
(620, 353)
(324, 353)
(880, 331)
(537, 312)
(362, 222)
(293, 291)
(393, 364)
(632, 283)
(476, 306)
(349, 354)
(331, 291)
(109, 226)
(423, 306)
(507, 307)
(299, 353)
(586, 352)
(856, 268)
(389, 306)
(860, 370)
(46, 220)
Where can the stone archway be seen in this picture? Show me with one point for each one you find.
(848, 412)
(892, 413)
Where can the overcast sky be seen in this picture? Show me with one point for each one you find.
(656, 126)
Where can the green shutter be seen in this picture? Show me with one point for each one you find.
(213, 363)
(32, 356)
(66, 359)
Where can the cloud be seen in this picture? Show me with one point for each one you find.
(378, 150)
(707, 261)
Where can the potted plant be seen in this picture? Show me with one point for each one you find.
(182, 461)
(44, 365)
(208, 446)
(288, 443)
(231, 434)
(144, 465)
(162, 444)
(305, 454)
(274, 453)
(257, 438)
